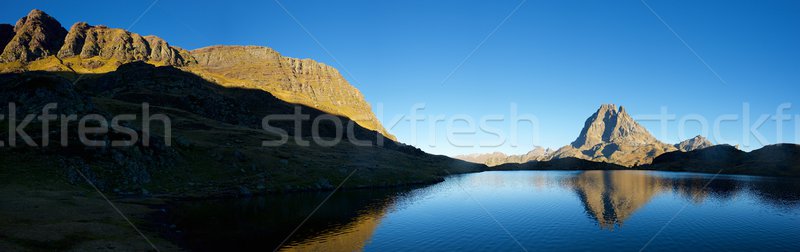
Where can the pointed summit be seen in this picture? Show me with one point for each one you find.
(609, 125)
(611, 135)
(35, 36)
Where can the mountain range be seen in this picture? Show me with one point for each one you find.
(39, 42)
(215, 98)
(609, 135)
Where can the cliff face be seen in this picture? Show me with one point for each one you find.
(611, 135)
(38, 42)
(86, 41)
(302, 81)
(35, 36)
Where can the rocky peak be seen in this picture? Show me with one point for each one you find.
(86, 41)
(695, 143)
(611, 135)
(38, 35)
(35, 36)
(612, 125)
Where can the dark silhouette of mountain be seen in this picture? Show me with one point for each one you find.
(216, 136)
(771, 160)
(567, 163)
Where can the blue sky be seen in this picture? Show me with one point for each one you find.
(557, 60)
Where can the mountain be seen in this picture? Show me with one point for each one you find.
(35, 36)
(611, 135)
(38, 42)
(497, 158)
(215, 99)
(771, 160)
(695, 143)
(301, 81)
(215, 137)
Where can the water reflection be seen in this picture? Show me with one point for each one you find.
(348, 220)
(611, 197)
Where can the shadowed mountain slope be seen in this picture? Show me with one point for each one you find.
(216, 139)
(771, 160)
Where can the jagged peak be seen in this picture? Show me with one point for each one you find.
(36, 35)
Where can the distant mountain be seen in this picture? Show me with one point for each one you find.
(695, 143)
(771, 160)
(497, 158)
(611, 135)
(39, 42)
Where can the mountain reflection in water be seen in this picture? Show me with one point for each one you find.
(349, 219)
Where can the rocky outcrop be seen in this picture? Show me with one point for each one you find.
(35, 36)
(611, 135)
(497, 158)
(695, 143)
(302, 81)
(86, 41)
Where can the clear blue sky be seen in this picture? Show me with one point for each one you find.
(558, 60)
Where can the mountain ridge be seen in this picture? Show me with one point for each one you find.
(39, 42)
(609, 135)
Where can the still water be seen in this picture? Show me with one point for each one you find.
(512, 211)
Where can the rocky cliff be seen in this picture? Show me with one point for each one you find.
(39, 42)
(35, 36)
(301, 81)
(611, 135)
(86, 41)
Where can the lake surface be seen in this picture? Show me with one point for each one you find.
(512, 211)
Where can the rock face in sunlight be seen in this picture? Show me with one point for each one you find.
(35, 36)
(302, 81)
(39, 42)
(86, 41)
(695, 143)
(611, 135)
